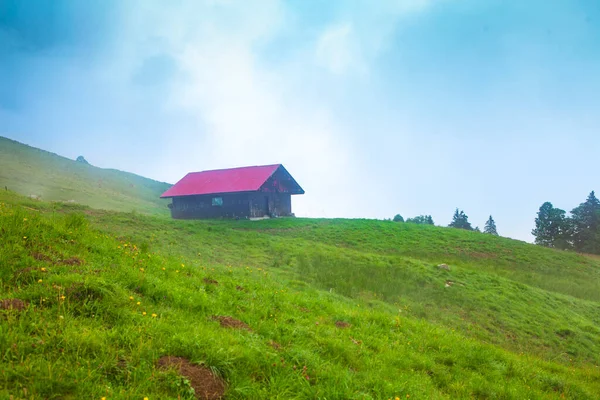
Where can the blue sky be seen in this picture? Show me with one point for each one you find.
(377, 108)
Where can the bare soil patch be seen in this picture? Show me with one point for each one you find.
(342, 324)
(13, 304)
(210, 281)
(230, 322)
(206, 385)
(41, 257)
(72, 261)
(274, 345)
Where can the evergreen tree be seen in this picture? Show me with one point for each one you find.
(421, 219)
(490, 227)
(586, 225)
(477, 229)
(398, 218)
(552, 227)
(460, 221)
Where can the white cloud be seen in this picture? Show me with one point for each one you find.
(241, 110)
(244, 111)
(338, 50)
(350, 44)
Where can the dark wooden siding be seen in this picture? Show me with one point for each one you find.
(235, 205)
(271, 204)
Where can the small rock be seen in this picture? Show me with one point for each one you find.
(444, 266)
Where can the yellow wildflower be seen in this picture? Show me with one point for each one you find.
(182, 266)
(138, 303)
(142, 269)
(144, 313)
(154, 315)
(40, 281)
(130, 297)
(43, 269)
(163, 268)
(24, 237)
(24, 219)
(62, 297)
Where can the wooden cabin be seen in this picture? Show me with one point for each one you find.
(247, 192)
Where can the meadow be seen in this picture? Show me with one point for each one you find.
(272, 313)
(102, 295)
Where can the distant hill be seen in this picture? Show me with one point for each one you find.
(34, 172)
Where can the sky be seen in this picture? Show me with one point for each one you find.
(376, 108)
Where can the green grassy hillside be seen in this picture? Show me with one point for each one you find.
(94, 300)
(289, 308)
(35, 172)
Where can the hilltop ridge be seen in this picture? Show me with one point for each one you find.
(35, 172)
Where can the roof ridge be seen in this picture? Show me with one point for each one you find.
(225, 180)
(234, 168)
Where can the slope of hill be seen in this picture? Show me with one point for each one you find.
(92, 300)
(31, 171)
(285, 309)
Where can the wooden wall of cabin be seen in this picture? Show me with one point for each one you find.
(234, 205)
(271, 204)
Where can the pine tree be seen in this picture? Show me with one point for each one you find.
(552, 228)
(586, 225)
(421, 219)
(460, 221)
(490, 227)
(477, 229)
(398, 218)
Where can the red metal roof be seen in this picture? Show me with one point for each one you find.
(244, 179)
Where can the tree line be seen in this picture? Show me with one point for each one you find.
(579, 231)
(460, 220)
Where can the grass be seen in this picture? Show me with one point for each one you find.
(35, 172)
(336, 309)
(499, 331)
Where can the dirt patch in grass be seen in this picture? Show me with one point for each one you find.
(210, 281)
(274, 345)
(342, 324)
(230, 322)
(41, 257)
(240, 288)
(13, 304)
(72, 261)
(206, 385)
